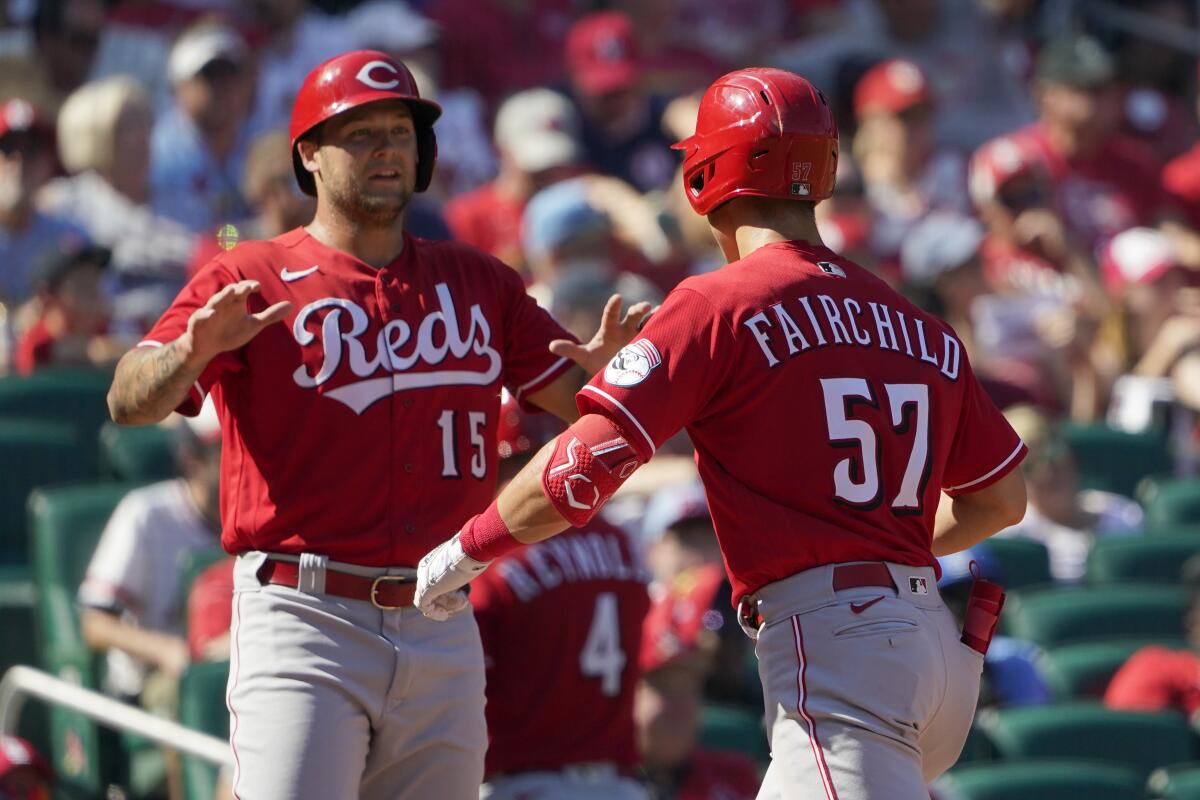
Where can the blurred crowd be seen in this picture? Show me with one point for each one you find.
(1027, 169)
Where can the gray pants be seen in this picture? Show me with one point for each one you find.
(598, 782)
(870, 705)
(334, 698)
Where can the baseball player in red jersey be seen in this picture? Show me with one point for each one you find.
(843, 441)
(356, 435)
(561, 624)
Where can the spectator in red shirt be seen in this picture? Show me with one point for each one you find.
(1159, 678)
(1104, 182)
(1181, 178)
(24, 774)
(537, 134)
(209, 611)
(70, 328)
(676, 657)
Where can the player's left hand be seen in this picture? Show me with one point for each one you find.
(615, 332)
(441, 573)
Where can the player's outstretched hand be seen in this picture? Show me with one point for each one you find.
(223, 323)
(615, 332)
(440, 575)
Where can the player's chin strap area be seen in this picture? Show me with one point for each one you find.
(591, 460)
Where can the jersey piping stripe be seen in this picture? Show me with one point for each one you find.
(802, 696)
(983, 478)
(548, 371)
(236, 666)
(195, 386)
(628, 415)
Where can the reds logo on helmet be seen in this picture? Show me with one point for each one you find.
(364, 75)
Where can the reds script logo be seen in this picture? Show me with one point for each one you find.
(364, 75)
(633, 364)
(398, 348)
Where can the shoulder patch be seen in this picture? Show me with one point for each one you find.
(633, 364)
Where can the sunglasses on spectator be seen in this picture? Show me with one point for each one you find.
(1032, 196)
(23, 142)
(219, 69)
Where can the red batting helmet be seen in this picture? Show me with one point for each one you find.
(760, 133)
(354, 79)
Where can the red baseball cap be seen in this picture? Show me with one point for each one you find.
(1136, 255)
(16, 753)
(891, 87)
(681, 625)
(996, 163)
(18, 115)
(602, 53)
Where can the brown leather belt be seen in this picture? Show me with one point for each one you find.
(852, 576)
(387, 592)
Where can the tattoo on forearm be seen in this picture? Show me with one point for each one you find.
(154, 382)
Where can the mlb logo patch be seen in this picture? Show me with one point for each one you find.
(918, 585)
(800, 190)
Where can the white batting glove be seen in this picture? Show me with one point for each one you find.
(442, 572)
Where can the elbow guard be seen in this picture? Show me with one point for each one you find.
(591, 460)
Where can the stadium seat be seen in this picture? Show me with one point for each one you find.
(734, 728)
(70, 396)
(1141, 741)
(1082, 671)
(1140, 558)
(32, 453)
(1172, 502)
(1176, 782)
(1116, 461)
(1023, 563)
(1042, 780)
(202, 706)
(1052, 617)
(136, 453)
(65, 525)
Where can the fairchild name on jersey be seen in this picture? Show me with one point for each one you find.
(437, 336)
(591, 557)
(777, 329)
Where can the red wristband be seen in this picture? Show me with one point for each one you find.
(485, 537)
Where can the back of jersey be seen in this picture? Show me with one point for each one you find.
(561, 624)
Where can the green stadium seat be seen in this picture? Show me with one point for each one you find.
(1042, 780)
(1176, 782)
(736, 729)
(1082, 671)
(65, 525)
(1052, 617)
(70, 396)
(1141, 741)
(144, 453)
(1172, 502)
(1140, 558)
(202, 707)
(1116, 461)
(1023, 563)
(33, 453)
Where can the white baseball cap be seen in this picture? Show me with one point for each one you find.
(197, 48)
(539, 129)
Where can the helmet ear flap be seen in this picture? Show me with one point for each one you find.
(426, 156)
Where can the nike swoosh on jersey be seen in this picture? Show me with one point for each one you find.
(290, 276)
(858, 608)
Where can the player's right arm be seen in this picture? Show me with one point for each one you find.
(151, 382)
(967, 519)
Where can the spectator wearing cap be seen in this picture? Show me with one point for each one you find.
(1010, 673)
(1028, 249)
(70, 329)
(104, 144)
(676, 657)
(941, 268)
(537, 135)
(677, 531)
(1104, 182)
(623, 131)
(198, 146)
(1159, 323)
(131, 595)
(26, 164)
(1063, 517)
(904, 173)
(24, 774)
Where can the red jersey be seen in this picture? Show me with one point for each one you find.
(1181, 177)
(716, 775)
(827, 412)
(1104, 194)
(561, 623)
(362, 427)
(1157, 679)
(489, 220)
